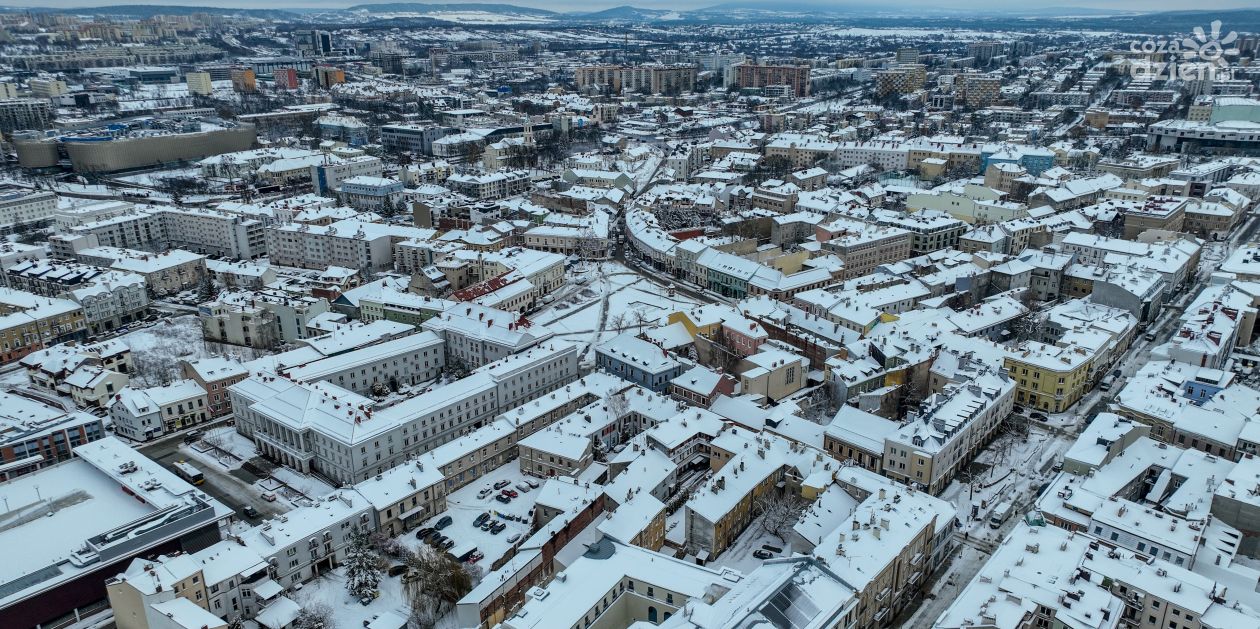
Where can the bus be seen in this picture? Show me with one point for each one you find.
(189, 473)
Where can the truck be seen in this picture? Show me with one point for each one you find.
(1001, 512)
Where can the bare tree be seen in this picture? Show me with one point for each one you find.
(822, 405)
(315, 615)
(641, 319)
(779, 513)
(434, 583)
(616, 321)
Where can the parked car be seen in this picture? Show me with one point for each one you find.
(481, 518)
(424, 532)
(485, 491)
(513, 537)
(772, 549)
(523, 487)
(1038, 415)
(446, 545)
(442, 523)
(397, 570)
(510, 493)
(249, 512)
(762, 554)
(533, 483)
(1150, 336)
(268, 496)
(501, 484)
(193, 436)
(502, 498)
(497, 528)
(485, 526)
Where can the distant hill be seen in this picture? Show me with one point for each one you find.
(627, 13)
(149, 10)
(420, 7)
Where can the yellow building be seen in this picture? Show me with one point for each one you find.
(199, 83)
(29, 323)
(1049, 378)
(328, 76)
(243, 80)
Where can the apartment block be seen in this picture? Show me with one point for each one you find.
(796, 77)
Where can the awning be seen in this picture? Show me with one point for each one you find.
(411, 513)
(267, 589)
(20, 463)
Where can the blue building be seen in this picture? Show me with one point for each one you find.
(634, 359)
(1205, 384)
(1034, 159)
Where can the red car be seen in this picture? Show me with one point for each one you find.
(510, 493)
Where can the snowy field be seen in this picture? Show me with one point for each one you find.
(348, 612)
(615, 299)
(464, 506)
(158, 348)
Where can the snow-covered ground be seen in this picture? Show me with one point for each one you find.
(157, 178)
(1014, 471)
(157, 349)
(313, 487)
(14, 378)
(739, 555)
(615, 299)
(241, 450)
(348, 612)
(464, 506)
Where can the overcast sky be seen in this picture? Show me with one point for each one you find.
(588, 5)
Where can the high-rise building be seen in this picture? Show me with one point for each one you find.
(286, 79)
(47, 88)
(901, 79)
(17, 114)
(328, 76)
(198, 83)
(388, 62)
(243, 80)
(907, 55)
(757, 75)
(984, 51)
(981, 90)
(315, 42)
(654, 79)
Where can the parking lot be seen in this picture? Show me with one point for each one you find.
(465, 505)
